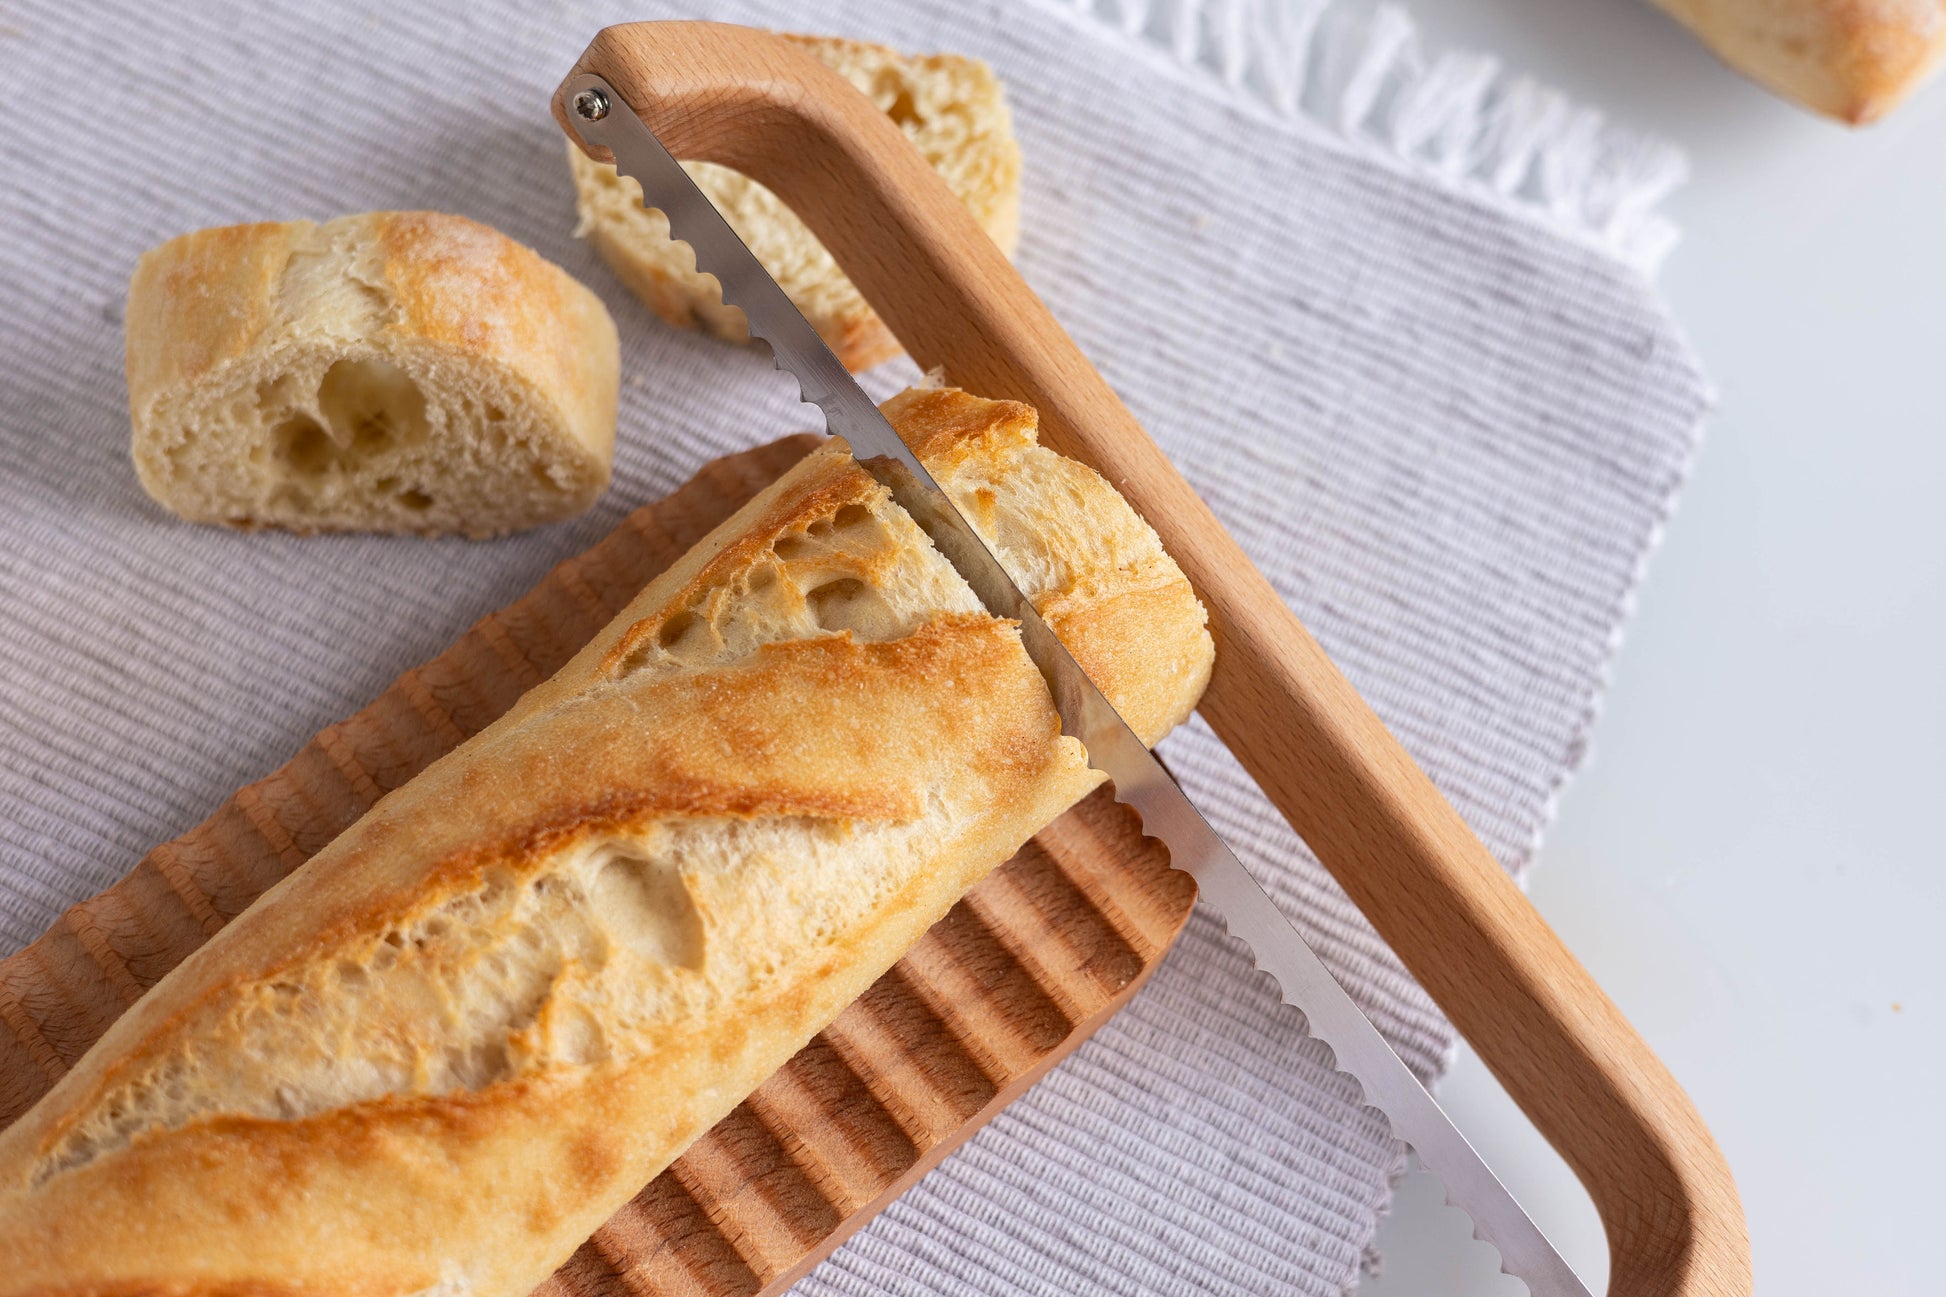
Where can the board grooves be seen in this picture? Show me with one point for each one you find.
(1010, 981)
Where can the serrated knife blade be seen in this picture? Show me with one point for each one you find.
(604, 120)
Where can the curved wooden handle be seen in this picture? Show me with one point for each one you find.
(750, 101)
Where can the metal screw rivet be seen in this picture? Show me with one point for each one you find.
(591, 104)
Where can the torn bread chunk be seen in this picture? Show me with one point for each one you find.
(393, 371)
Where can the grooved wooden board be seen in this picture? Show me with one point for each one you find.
(1009, 982)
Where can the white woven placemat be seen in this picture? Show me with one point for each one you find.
(1389, 314)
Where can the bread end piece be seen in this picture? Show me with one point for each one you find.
(391, 371)
(952, 107)
(1095, 570)
(1854, 60)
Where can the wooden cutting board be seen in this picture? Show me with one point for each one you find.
(1017, 975)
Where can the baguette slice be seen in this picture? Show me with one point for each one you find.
(439, 1054)
(953, 108)
(1854, 60)
(395, 371)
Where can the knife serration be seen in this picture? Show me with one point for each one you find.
(1331, 1015)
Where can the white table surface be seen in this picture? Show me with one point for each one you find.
(1750, 860)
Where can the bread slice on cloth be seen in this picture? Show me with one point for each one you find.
(437, 1056)
(394, 371)
(953, 108)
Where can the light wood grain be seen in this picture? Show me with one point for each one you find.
(1012, 980)
(747, 100)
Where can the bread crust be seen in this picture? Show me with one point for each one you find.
(234, 334)
(1854, 60)
(439, 1054)
(954, 110)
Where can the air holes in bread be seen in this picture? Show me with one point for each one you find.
(848, 604)
(902, 110)
(682, 635)
(645, 906)
(791, 548)
(303, 446)
(365, 408)
(578, 1036)
(674, 628)
(371, 405)
(849, 528)
(853, 517)
(274, 394)
(686, 637)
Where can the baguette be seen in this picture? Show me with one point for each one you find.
(952, 108)
(438, 1055)
(395, 371)
(1854, 60)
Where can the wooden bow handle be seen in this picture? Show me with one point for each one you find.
(751, 101)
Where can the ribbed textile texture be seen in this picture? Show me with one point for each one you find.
(1387, 313)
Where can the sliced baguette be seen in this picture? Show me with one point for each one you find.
(953, 108)
(395, 371)
(443, 1051)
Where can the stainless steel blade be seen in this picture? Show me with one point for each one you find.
(605, 120)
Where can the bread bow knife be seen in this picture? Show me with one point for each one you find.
(605, 120)
(747, 99)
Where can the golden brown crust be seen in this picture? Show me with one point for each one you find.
(945, 423)
(438, 1055)
(1854, 60)
(477, 292)
(200, 299)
